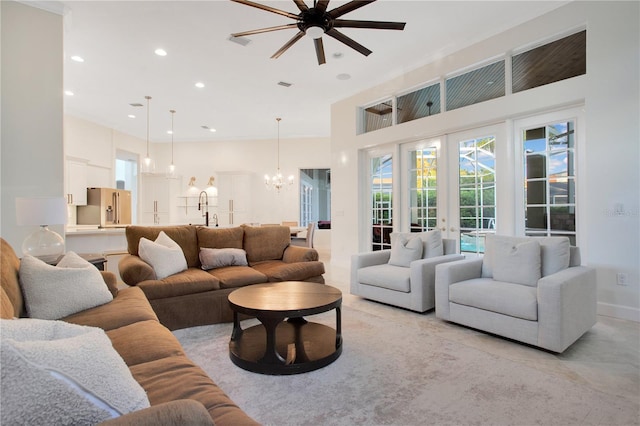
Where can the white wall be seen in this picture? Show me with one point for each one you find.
(609, 171)
(32, 153)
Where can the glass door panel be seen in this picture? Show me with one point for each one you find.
(381, 201)
(423, 190)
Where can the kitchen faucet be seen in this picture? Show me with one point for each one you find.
(205, 214)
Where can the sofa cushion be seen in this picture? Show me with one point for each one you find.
(515, 300)
(212, 258)
(144, 341)
(60, 373)
(53, 292)
(386, 276)
(266, 243)
(238, 276)
(177, 377)
(431, 241)
(517, 263)
(163, 254)
(555, 253)
(220, 237)
(193, 280)
(109, 316)
(405, 250)
(277, 270)
(184, 235)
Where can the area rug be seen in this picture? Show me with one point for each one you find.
(398, 373)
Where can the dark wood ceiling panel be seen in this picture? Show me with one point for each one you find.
(476, 86)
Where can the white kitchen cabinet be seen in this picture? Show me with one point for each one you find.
(234, 199)
(76, 181)
(157, 193)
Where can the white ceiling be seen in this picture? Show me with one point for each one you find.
(241, 97)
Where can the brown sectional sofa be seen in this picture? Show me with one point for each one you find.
(179, 391)
(197, 297)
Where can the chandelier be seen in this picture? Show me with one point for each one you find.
(277, 181)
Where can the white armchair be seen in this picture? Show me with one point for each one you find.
(530, 289)
(384, 276)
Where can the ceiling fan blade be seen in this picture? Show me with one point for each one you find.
(378, 25)
(319, 50)
(321, 6)
(288, 45)
(267, 8)
(301, 5)
(348, 41)
(264, 30)
(348, 7)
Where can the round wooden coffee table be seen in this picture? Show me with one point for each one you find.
(277, 346)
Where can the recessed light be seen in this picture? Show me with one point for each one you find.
(77, 58)
(338, 55)
(343, 76)
(212, 130)
(199, 85)
(161, 52)
(169, 132)
(131, 116)
(68, 92)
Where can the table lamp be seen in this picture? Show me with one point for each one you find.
(42, 211)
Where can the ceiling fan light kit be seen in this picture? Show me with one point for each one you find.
(316, 21)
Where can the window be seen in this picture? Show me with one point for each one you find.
(382, 201)
(475, 86)
(421, 103)
(549, 184)
(559, 60)
(477, 195)
(378, 116)
(315, 196)
(423, 207)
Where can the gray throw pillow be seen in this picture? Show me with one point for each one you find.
(212, 258)
(405, 250)
(516, 262)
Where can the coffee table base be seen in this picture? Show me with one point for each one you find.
(300, 346)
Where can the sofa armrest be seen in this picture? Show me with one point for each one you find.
(293, 254)
(111, 281)
(451, 273)
(424, 271)
(134, 270)
(567, 304)
(178, 413)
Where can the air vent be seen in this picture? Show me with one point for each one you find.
(205, 127)
(242, 41)
(284, 83)
(136, 104)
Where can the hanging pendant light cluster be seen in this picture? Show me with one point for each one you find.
(147, 163)
(171, 171)
(277, 181)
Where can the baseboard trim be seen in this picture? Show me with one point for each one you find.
(619, 311)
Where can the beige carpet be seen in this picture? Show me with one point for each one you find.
(394, 372)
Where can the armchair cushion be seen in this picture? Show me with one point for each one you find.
(386, 276)
(432, 245)
(516, 262)
(405, 250)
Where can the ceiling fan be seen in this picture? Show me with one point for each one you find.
(316, 21)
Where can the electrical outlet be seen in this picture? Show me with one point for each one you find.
(622, 278)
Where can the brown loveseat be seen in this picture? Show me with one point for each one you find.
(179, 391)
(197, 297)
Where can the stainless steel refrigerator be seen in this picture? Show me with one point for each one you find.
(106, 207)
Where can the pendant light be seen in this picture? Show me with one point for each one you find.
(276, 181)
(147, 162)
(172, 168)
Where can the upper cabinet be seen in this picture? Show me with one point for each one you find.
(76, 181)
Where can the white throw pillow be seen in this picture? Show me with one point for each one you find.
(59, 373)
(516, 262)
(54, 292)
(555, 253)
(405, 250)
(164, 255)
(212, 258)
(431, 241)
